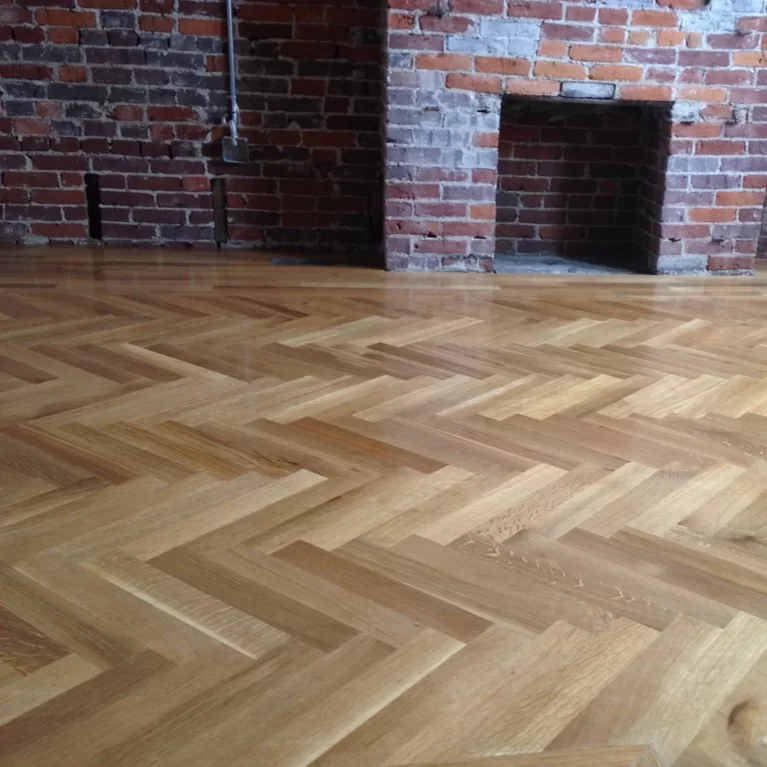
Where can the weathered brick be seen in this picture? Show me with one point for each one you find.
(480, 7)
(736, 263)
(60, 231)
(720, 147)
(645, 93)
(502, 66)
(707, 95)
(711, 215)
(601, 53)
(55, 17)
(202, 27)
(28, 127)
(24, 72)
(551, 31)
(749, 59)
(703, 58)
(671, 37)
(619, 73)
(15, 14)
(729, 77)
(664, 56)
(62, 35)
(552, 49)
(127, 112)
(612, 35)
(698, 130)
(583, 90)
(739, 199)
(560, 70)
(479, 83)
(108, 4)
(614, 16)
(639, 37)
(27, 35)
(160, 24)
(170, 113)
(446, 61)
(653, 19)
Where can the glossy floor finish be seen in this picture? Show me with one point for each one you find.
(276, 516)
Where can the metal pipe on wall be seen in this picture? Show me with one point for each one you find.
(233, 149)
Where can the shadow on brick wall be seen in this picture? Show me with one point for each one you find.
(311, 94)
(133, 96)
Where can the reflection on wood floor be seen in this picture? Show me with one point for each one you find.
(290, 516)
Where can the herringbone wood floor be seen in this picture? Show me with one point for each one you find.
(281, 517)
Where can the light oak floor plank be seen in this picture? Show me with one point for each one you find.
(264, 516)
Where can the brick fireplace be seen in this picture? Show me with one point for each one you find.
(628, 129)
(581, 180)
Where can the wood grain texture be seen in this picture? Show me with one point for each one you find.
(282, 517)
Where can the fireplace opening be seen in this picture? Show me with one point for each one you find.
(580, 186)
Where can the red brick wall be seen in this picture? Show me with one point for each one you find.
(452, 63)
(135, 91)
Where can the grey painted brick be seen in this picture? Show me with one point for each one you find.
(401, 97)
(477, 45)
(430, 80)
(485, 123)
(399, 173)
(400, 60)
(693, 164)
(454, 158)
(720, 16)
(433, 138)
(583, 90)
(521, 49)
(476, 121)
(509, 28)
(35, 239)
(475, 193)
(454, 99)
(748, 6)
(720, 181)
(457, 120)
(673, 215)
(402, 78)
(444, 99)
(736, 231)
(479, 158)
(415, 155)
(413, 117)
(705, 164)
(483, 248)
(747, 164)
(677, 264)
(677, 182)
(685, 111)
(419, 263)
(489, 103)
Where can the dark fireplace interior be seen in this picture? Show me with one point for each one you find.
(580, 185)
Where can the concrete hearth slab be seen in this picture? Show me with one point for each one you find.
(552, 264)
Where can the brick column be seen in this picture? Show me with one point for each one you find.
(711, 211)
(449, 63)
(442, 125)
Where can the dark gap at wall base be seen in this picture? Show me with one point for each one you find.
(93, 205)
(218, 195)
